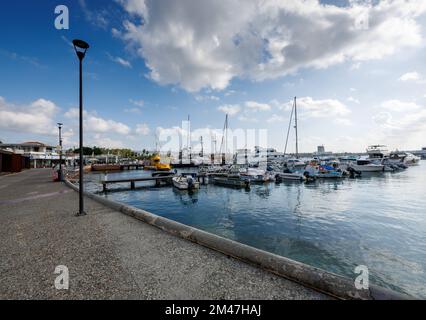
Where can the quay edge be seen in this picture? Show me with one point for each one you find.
(320, 280)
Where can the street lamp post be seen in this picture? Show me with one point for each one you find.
(81, 47)
(60, 152)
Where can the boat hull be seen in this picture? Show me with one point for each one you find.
(182, 184)
(105, 167)
(291, 176)
(368, 167)
(224, 181)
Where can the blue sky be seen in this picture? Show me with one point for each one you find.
(357, 69)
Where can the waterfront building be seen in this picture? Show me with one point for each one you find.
(40, 155)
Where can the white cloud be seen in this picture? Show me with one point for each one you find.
(311, 108)
(256, 106)
(94, 123)
(230, 109)
(201, 98)
(410, 76)
(36, 117)
(105, 142)
(197, 44)
(123, 62)
(403, 124)
(354, 100)
(138, 103)
(97, 18)
(246, 118)
(132, 110)
(142, 129)
(343, 121)
(399, 106)
(276, 118)
(119, 60)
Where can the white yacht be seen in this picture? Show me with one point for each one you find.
(367, 165)
(378, 152)
(406, 158)
(263, 156)
(295, 163)
(411, 159)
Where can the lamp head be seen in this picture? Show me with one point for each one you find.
(80, 48)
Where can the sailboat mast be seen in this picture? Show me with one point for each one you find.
(226, 134)
(189, 139)
(295, 120)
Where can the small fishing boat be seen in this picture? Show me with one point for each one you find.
(255, 175)
(185, 182)
(295, 176)
(324, 171)
(231, 180)
(327, 172)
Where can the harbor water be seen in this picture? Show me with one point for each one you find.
(377, 220)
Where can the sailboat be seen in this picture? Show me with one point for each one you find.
(293, 168)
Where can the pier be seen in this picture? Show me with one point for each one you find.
(111, 255)
(132, 181)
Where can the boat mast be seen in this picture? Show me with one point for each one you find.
(288, 130)
(202, 147)
(224, 140)
(295, 121)
(214, 149)
(189, 139)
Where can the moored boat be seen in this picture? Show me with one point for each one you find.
(295, 176)
(105, 167)
(366, 165)
(185, 182)
(155, 164)
(232, 181)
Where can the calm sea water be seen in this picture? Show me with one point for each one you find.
(378, 220)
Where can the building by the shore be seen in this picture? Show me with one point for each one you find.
(37, 154)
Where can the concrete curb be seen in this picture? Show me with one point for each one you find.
(320, 280)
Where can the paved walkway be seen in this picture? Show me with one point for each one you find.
(110, 255)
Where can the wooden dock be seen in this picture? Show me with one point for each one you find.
(132, 181)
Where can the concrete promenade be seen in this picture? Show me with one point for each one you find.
(110, 255)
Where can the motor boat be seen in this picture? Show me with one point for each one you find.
(407, 158)
(295, 163)
(378, 152)
(255, 175)
(328, 170)
(295, 176)
(366, 165)
(231, 180)
(185, 182)
(411, 159)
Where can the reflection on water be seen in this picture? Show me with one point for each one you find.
(377, 220)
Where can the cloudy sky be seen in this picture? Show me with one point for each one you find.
(356, 66)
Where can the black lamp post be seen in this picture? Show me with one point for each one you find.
(81, 47)
(60, 152)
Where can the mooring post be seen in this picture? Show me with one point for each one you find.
(132, 185)
(104, 189)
